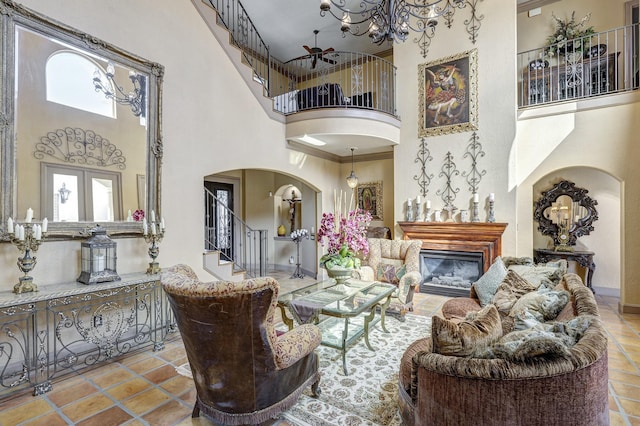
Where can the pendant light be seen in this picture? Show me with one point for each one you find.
(352, 179)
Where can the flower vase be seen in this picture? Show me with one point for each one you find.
(340, 274)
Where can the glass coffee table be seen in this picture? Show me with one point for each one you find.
(343, 312)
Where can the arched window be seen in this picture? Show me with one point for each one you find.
(70, 82)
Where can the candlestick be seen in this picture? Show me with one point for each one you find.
(491, 218)
(26, 239)
(475, 211)
(155, 237)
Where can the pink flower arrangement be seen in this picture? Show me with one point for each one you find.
(345, 237)
(138, 215)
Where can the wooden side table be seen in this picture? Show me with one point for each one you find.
(582, 258)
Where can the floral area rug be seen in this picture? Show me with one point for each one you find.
(368, 396)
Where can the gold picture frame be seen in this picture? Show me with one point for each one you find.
(370, 198)
(448, 95)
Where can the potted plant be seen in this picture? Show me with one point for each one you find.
(570, 35)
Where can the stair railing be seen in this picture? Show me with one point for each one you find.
(236, 241)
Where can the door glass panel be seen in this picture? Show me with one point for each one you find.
(102, 192)
(65, 198)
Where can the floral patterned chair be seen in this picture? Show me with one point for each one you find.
(396, 262)
(244, 372)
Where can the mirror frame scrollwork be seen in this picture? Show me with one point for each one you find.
(579, 228)
(12, 14)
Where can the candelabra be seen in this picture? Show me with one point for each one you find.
(491, 218)
(153, 236)
(27, 237)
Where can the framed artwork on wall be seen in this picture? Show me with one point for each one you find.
(448, 95)
(370, 199)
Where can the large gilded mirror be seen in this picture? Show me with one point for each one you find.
(80, 124)
(565, 212)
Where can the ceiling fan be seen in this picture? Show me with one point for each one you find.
(317, 53)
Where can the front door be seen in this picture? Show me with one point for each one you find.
(218, 218)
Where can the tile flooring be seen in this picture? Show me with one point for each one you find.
(144, 389)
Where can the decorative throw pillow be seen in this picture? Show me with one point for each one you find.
(510, 260)
(466, 337)
(512, 288)
(538, 275)
(524, 345)
(544, 304)
(392, 274)
(488, 283)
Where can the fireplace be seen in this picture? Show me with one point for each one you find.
(449, 273)
(459, 246)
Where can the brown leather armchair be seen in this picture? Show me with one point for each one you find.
(243, 371)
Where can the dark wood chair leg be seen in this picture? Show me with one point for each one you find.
(315, 388)
(196, 410)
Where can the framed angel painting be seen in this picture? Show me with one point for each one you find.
(448, 95)
(370, 199)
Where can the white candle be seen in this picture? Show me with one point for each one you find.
(98, 263)
(21, 232)
(10, 226)
(34, 231)
(162, 223)
(492, 196)
(475, 197)
(153, 228)
(38, 232)
(408, 201)
(418, 199)
(153, 216)
(313, 230)
(45, 224)
(29, 217)
(428, 204)
(144, 227)
(129, 217)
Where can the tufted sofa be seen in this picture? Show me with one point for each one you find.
(437, 389)
(395, 254)
(244, 372)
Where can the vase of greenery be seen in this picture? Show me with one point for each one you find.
(570, 36)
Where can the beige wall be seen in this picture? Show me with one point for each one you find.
(496, 112)
(212, 123)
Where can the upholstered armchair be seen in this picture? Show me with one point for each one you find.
(244, 372)
(396, 262)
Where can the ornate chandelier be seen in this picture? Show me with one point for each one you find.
(111, 89)
(392, 20)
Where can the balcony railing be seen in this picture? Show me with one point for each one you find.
(334, 80)
(600, 64)
(330, 80)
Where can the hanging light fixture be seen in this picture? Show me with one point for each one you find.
(392, 20)
(64, 193)
(111, 89)
(352, 179)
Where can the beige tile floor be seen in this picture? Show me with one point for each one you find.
(144, 389)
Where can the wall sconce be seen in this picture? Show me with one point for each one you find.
(352, 179)
(64, 193)
(98, 255)
(112, 90)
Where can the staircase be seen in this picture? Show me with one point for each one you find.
(233, 250)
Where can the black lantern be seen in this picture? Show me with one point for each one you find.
(98, 258)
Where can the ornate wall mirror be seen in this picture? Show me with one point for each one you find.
(80, 123)
(565, 213)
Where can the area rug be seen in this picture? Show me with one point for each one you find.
(368, 396)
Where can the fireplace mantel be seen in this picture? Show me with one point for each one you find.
(454, 236)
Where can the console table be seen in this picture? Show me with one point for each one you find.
(582, 258)
(67, 327)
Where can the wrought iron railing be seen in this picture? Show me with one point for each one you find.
(328, 80)
(236, 241)
(595, 65)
